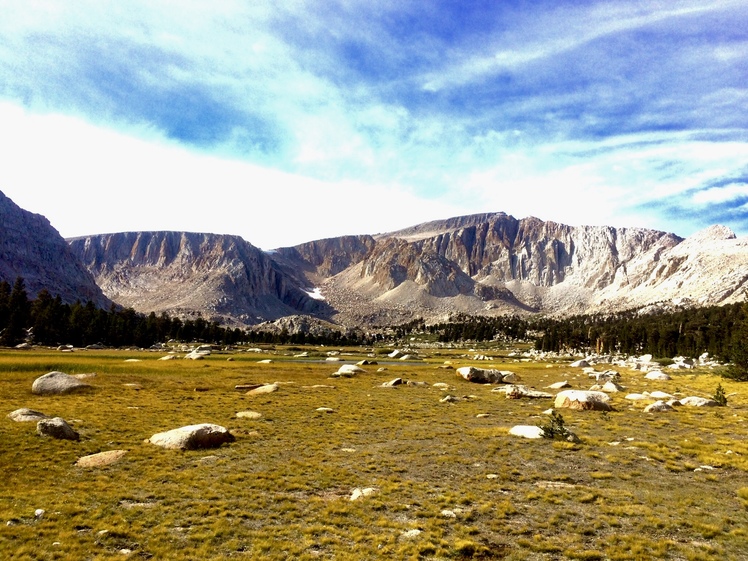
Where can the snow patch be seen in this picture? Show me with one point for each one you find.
(315, 294)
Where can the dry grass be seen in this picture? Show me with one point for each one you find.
(634, 488)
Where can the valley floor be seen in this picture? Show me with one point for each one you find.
(444, 480)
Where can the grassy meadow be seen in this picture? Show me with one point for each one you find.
(448, 480)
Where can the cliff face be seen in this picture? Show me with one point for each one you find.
(31, 248)
(221, 277)
(480, 264)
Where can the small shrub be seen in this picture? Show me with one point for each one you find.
(719, 396)
(555, 428)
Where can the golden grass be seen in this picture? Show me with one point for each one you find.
(638, 486)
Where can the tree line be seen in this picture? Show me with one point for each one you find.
(47, 320)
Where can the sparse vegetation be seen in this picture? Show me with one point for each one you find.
(670, 487)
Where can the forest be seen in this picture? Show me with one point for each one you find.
(721, 331)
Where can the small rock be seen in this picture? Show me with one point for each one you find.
(101, 459)
(39, 512)
(253, 415)
(527, 431)
(362, 493)
(411, 533)
(264, 389)
(448, 514)
(26, 415)
(56, 428)
(324, 410)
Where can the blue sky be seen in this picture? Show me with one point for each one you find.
(323, 118)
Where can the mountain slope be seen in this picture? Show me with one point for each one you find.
(185, 274)
(31, 248)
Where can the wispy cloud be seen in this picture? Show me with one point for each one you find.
(482, 106)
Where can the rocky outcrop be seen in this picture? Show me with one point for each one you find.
(31, 248)
(217, 276)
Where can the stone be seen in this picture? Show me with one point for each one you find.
(264, 389)
(580, 364)
(526, 431)
(611, 387)
(414, 533)
(637, 396)
(57, 383)
(56, 428)
(325, 410)
(660, 395)
(357, 493)
(392, 383)
(657, 375)
(694, 401)
(658, 407)
(486, 375)
(101, 459)
(583, 400)
(265, 361)
(348, 370)
(517, 391)
(253, 415)
(449, 399)
(25, 415)
(559, 385)
(169, 357)
(193, 437)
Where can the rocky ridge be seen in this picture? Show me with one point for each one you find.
(31, 248)
(480, 264)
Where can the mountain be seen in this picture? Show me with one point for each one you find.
(218, 277)
(31, 248)
(479, 264)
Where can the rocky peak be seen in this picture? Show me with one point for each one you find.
(31, 248)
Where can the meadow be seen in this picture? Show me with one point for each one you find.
(446, 480)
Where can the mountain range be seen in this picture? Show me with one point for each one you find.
(488, 264)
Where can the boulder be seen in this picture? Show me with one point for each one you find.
(101, 459)
(56, 383)
(580, 364)
(694, 401)
(611, 387)
(56, 428)
(660, 395)
(517, 391)
(527, 431)
(264, 389)
(657, 375)
(584, 400)
(348, 371)
(27, 415)
(392, 383)
(486, 375)
(658, 407)
(193, 437)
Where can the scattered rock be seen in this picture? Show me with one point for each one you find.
(325, 410)
(56, 428)
(169, 357)
(658, 407)
(694, 401)
(264, 389)
(133, 386)
(486, 375)
(449, 399)
(193, 437)
(517, 391)
(57, 383)
(414, 533)
(357, 493)
(612, 387)
(392, 383)
(657, 375)
(348, 370)
(253, 415)
(580, 364)
(265, 361)
(27, 415)
(559, 385)
(101, 459)
(584, 400)
(527, 431)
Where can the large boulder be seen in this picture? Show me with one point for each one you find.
(486, 375)
(56, 428)
(26, 415)
(193, 437)
(695, 401)
(585, 400)
(56, 383)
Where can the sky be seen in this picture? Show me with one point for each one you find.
(312, 119)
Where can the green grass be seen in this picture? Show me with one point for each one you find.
(629, 490)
